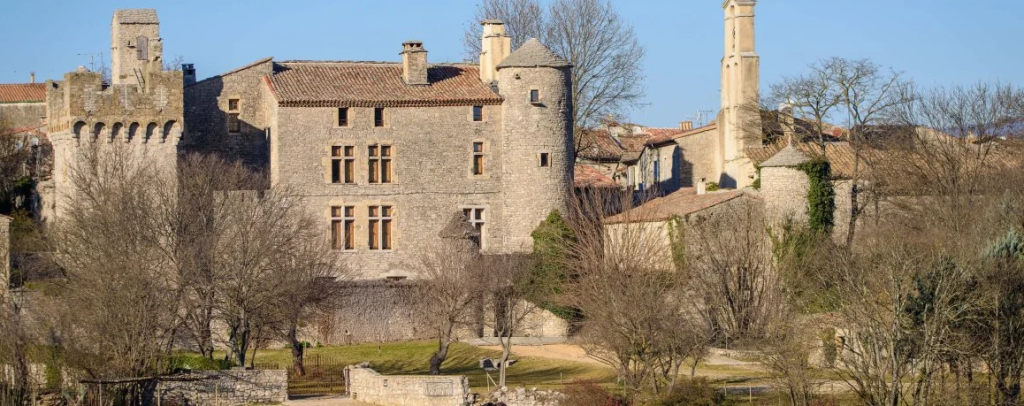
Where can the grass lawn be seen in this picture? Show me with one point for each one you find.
(412, 358)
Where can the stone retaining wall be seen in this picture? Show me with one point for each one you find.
(233, 387)
(366, 385)
(527, 397)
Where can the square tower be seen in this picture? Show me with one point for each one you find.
(135, 46)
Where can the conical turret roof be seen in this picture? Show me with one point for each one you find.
(786, 157)
(533, 54)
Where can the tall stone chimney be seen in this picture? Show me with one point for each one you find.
(495, 46)
(686, 125)
(414, 63)
(188, 73)
(31, 77)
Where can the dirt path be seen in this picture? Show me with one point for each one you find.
(565, 352)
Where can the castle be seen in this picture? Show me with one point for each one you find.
(386, 152)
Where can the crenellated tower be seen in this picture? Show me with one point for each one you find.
(739, 122)
(537, 128)
(140, 113)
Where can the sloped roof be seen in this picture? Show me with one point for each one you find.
(375, 84)
(236, 70)
(23, 93)
(679, 203)
(662, 135)
(839, 155)
(587, 177)
(136, 16)
(533, 54)
(788, 156)
(601, 145)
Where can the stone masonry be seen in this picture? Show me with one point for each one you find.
(5, 258)
(366, 385)
(233, 387)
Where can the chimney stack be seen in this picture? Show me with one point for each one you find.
(702, 186)
(31, 77)
(787, 121)
(188, 73)
(495, 46)
(414, 63)
(686, 125)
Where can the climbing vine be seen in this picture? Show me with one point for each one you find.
(677, 242)
(821, 197)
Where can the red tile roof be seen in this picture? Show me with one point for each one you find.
(661, 135)
(376, 84)
(601, 145)
(679, 203)
(23, 93)
(588, 177)
(839, 155)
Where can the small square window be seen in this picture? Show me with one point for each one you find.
(378, 117)
(343, 117)
(545, 160)
(233, 104)
(478, 113)
(534, 96)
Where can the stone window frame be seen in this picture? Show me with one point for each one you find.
(348, 117)
(385, 218)
(484, 154)
(384, 121)
(538, 100)
(233, 114)
(544, 159)
(477, 222)
(344, 215)
(473, 115)
(344, 160)
(377, 163)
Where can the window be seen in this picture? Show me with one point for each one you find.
(234, 124)
(478, 158)
(545, 161)
(343, 117)
(380, 227)
(534, 96)
(380, 164)
(475, 217)
(478, 113)
(378, 117)
(343, 228)
(343, 164)
(657, 171)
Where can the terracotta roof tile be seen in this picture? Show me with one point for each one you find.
(661, 135)
(588, 177)
(839, 154)
(23, 93)
(368, 84)
(679, 203)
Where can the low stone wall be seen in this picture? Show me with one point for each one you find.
(526, 397)
(366, 385)
(233, 387)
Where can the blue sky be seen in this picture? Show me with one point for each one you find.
(934, 42)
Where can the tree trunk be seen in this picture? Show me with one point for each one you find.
(438, 358)
(298, 351)
(506, 352)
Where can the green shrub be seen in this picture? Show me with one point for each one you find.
(588, 393)
(711, 186)
(693, 392)
(54, 380)
(821, 197)
(197, 362)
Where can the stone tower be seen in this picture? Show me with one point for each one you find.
(138, 115)
(739, 122)
(135, 46)
(537, 142)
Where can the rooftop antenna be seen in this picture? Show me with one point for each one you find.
(700, 116)
(92, 59)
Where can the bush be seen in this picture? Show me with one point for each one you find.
(179, 363)
(588, 393)
(696, 392)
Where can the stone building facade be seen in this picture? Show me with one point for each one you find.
(22, 106)
(384, 152)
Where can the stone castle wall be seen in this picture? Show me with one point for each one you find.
(232, 387)
(366, 385)
(206, 115)
(785, 193)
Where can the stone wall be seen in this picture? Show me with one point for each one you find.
(699, 159)
(527, 397)
(5, 258)
(22, 115)
(234, 387)
(206, 115)
(784, 191)
(368, 386)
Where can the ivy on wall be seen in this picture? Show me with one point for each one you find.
(821, 197)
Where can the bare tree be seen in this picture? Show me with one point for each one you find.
(607, 76)
(14, 155)
(448, 285)
(510, 285)
(812, 96)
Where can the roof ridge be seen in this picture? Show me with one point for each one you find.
(236, 70)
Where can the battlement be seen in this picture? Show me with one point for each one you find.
(82, 106)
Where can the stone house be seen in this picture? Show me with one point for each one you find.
(22, 105)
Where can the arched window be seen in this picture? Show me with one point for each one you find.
(97, 131)
(133, 131)
(142, 47)
(171, 130)
(115, 131)
(150, 131)
(78, 128)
